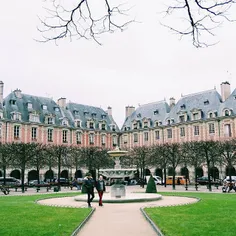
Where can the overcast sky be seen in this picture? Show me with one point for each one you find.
(145, 63)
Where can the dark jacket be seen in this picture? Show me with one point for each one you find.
(100, 185)
(89, 185)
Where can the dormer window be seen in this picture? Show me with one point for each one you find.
(135, 126)
(145, 124)
(227, 113)
(156, 124)
(56, 109)
(139, 115)
(182, 107)
(103, 116)
(76, 112)
(168, 122)
(156, 112)
(33, 117)
(78, 123)
(91, 125)
(16, 116)
(103, 126)
(86, 113)
(234, 97)
(44, 107)
(50, 120)
(195, 116)
(29, 105)
(210, 115)
(113, 127)
(206, 102)
(64, 122)
(181, 119)
(13, 102)
(94, 115)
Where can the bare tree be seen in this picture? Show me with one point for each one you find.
(83, 19)
(89, 18)
(202, 16)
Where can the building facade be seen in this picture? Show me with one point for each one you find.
(206, 115)
(201, 116)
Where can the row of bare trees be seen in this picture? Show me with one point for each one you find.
(188, 155)
(170, 155)
(33, 155)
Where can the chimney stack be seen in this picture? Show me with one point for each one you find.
(1, 91)
(109, 111)
(172, 102)
(225, 90)
(18, 93)
(129, 110)
(61, 102)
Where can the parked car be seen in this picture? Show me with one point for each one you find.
(10, 181)
(35, 183)
(157, 180)
(204, 180)
(63, 181)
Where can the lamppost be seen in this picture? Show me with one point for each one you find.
(186, 177)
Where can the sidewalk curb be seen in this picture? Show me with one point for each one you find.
(156, 229)
(76, 231)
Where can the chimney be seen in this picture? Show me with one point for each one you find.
(1, 91)
(61, 102)
(129, 110)
(225, 90)
(172, 102)
(109, 111)
(18, 93)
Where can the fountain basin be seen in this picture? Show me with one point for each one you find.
(130, 197)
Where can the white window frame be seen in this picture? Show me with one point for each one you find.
(196, 130)
(50, 135)
(16, 131)
(34, 133)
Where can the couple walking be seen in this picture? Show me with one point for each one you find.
(89, 185)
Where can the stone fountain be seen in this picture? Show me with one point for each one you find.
(118, 175)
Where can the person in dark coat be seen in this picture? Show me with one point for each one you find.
(100, 186)
(89, 187)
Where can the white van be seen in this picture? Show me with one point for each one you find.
(157, 179)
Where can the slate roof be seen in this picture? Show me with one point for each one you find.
(155, 111)
(205, 102)
(84, 112)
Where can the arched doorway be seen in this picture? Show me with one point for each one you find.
(49, 176)
(78, 174)
(214, 173)
(147, 172)
(158, 172)
(184, 171)
(15, 174)
(64, 174)
(230, 171)
(170, 171)
(33, 175)
(199, 172)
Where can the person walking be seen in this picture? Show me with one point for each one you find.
(100, 186)
(89, 187)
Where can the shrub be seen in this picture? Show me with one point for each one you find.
(151, 186)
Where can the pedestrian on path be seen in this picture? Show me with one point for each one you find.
(89, 188)
(100, 186)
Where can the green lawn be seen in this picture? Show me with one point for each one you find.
(21, 216)
(214, 215)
